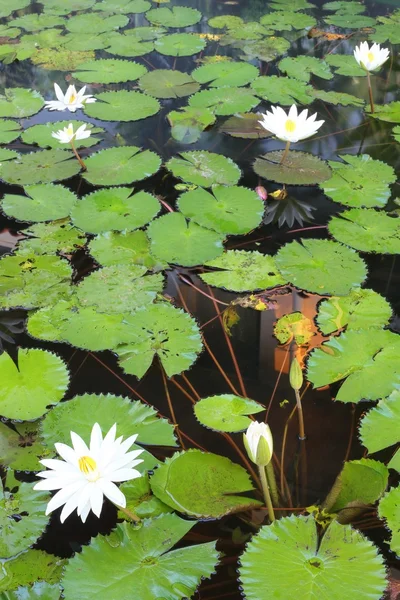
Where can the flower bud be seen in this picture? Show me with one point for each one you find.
(262, 192)
(295, 375)
(258, 443)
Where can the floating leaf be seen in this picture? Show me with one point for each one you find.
(282, 90)
(122, 106)
(228, 21)
(202, 485)
(388, 29)
(345, 6)
(245, 125)
(42, 134)
(290, 5)
(127, 247)
(299, 168)
(193, 244)
(21, 447)
(294, 326)
(286, 21)
(131, 416)
(344, 564)
(121, 165)
(180, 44)
(35, 22)
(89, 41)
(109, 70)
(40, 379)
(395, 132)
(61, 59)
(95, 23)
(140, 500)
(389, 509)
(204, 168)
(20, 102)
(46, 202)
(252, 30)
(114, 209)
(39, 589)
(58, 7)
(45, 166)
(302, 67)
(350, 21)
(230, 210)
(58, 237)
(266, 49)
(226, 74)
(380, 427)
(224, 100)
(22, 519)
(368, 359)
(6, 8)
(6, 154)
(162, 330)
(367, 230)
(243, 271)
(359, 181)
(32, 568)
(359, 310)
(188, 123)
(138, 558)
(338, 98)
(321, 266)
(120, 288)
(123, 6)
(387, 112)
(124, 45)
(177, 16)
(345, 64)
(226, 412)
(9, 131)
(164, 83)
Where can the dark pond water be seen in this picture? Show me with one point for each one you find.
(251, 360)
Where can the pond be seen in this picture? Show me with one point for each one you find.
(171, 269)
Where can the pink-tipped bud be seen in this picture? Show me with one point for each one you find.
(262, 192)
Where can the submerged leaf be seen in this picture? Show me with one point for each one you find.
(226, 412)
(293, 326)
(245, 125)
(188, 123)
(21, 447)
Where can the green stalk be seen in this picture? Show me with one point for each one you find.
(371, 99)
(272, 485)
(285, 153)
(267, 495)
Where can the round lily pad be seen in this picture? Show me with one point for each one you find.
(177, 16)
(225, 100)
(127, 247)
(109, 70)
(180, 44)
(367, 230)
(164, 83)
(126, 45)
(204, 168)
(226, 74)
(41, 135)
(43, 202)
(45, 166)
(121, 165)
(20, 102)
(299, 168)
(122, 106)
(226, 412)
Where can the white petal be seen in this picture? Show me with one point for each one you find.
(59, 93)
(84, 512)
(112, 492)
(55, 105)
(96, 436)
(121, 461)
(69, 507)
(49, 484)
(293, 112)
(79, 445)
(96, 499)
(67, 453)
(59, 465)
(125, 475)
(63, 496)
(84, 497)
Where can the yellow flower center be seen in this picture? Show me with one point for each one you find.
(370, 56)
(72, 99)
(290, 126)
(87, 465)
(70, 130)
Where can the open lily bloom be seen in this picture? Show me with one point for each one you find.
(372, 58)
(71, 100)
(291, 127)
(67, 135)
(87, 474)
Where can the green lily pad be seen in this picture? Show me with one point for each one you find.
(389, 509)
(202, 485)
(361, 309)
(359, 181)
(225, 100)
(230, 210)
(35, 22)
(387, 29)
(284, 20)
(119, 288)
(6, 8)
(20, 102)
(131, 416)
(367, 230)
(225, 21)
(162, 330)
(22, 519)
(343, 565)
(41, 134)
(299, 168)
(321, 266)
(180, 44)
(350, 21)
(123, 6)
(226, 412)
(395, 132)
(61, 59)
(302, 67)
(122, 106)
(140, 500)
(95, 23)
(21, 446)
(345, 6)
(57, 237)
(127, 247)
(177, 16)
(267, 49)
(245, 125)
(138, 558)
(380, 426)
(121, 165)
(294, 326)
(336, 98)
(204, 168)
(243, 271)
(345, 64)
(290, 5)
(45, 202)
(128, 46)
(367, 359)
(58, 7)
(226, 74)
(87, 42)
(252, 30)
(114, 209)
(164, 83)
(45, 166)
(9, 131)
(40, 379)
(188, 123)
(282, 90)
(386, 112)
(33, 568)
(109, 70)
(193, 244)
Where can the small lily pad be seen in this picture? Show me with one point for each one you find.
(180, 44)
(177, 16)
(204, 168)
(43, 202)
(226, 412)
(188, 123)
(225, 100)
(294, 326)
(164, 83)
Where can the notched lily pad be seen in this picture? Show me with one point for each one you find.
(299, 168)
(121, 165)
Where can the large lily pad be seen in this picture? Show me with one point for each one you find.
(243, 271)
(389, 509)
(282, 90)
(45, 166)
(122, 106)
(121, 165)
(202, 485)
(109, 70)
(204, 168)
(114, 209)
(302, 67)
(127, 247)
(367, 230)
(57, 237)
(223, 74)
(180, 44)
(40, 379)
(138, 558)
(45, 202)
(380, 427)
(20, 102)
(342, 566)
(162, 330)
(164, 83)
(226, 412)
(58, 7)
(193, 244)
(366, 359)
(321, 266)
(177, 16)
(299, 168)
(41, 135)
(225, 100)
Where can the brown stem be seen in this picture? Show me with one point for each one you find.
(129, 514)
(302, 435)
(77, 156)
(171, 408)
(285, 153)
(371, 99)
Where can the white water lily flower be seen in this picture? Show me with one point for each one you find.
(372, 58)
(68, 134)
(71, 100)
(291, 127)
(259, 443)
(87, 474)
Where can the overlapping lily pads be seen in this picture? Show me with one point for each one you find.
(179, 44)
(302, 67)
(126, 247)
(299, 168)
(9, 131)
(188, 124)
(225, 100)
(282, 90)
(57, 237)
(226, 74)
